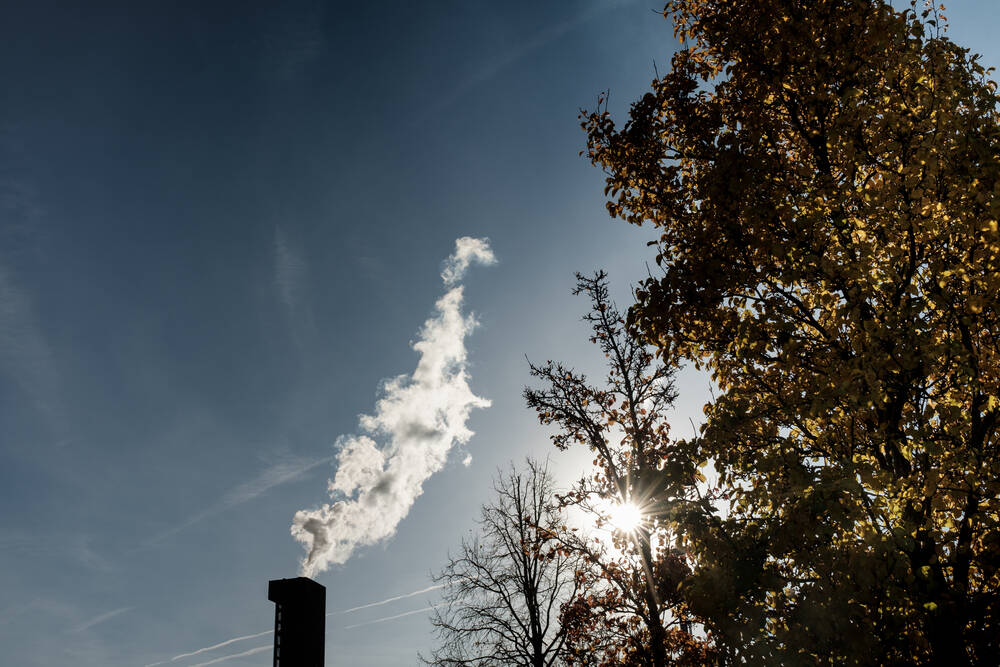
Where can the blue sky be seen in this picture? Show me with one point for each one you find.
(222, 226)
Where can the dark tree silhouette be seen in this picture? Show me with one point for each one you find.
(630, 611)
(504, 589)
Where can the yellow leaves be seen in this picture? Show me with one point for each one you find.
(846, 301)
(930, 486)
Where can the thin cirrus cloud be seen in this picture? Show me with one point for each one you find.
(24, 355)
(507, 59)
(289, 270)
(291, 280)
(274, 475)
(418, 418)
(295, 40)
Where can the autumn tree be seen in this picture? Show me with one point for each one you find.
(824, 180)
(504, 589)
(628, 611)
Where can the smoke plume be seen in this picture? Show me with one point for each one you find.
(418, 419)
(467, 250)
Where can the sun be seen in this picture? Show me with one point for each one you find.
(626, 517)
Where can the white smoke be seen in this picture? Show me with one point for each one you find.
(467, 250)
(418, 419)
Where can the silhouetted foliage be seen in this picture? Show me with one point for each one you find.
(629, 611)
(825, 180)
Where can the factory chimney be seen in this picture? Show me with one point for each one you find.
(299, 622)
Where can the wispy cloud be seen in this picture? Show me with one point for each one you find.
(44, 544)
(389, 618)
(419, 417)
(96, 620)
(291, 279)
(295, 40)
(21, 207)
(512, 56)
(289, 270)
(24, 355)
(275, 475)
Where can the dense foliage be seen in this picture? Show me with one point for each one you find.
(824, 179)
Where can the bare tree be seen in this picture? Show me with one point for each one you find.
(504, 589)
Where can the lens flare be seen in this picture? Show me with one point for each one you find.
(625, 517)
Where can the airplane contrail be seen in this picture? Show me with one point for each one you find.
(261, 649)
(220, 645)
(333, 613)
(100, 619)
(388, 618)
(252, 651)
(513, 56)
(388, 600)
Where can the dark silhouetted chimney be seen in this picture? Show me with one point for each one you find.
(299, 622)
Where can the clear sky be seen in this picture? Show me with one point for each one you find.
(222, 226)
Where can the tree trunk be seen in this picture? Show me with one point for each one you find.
(657, 634)
(944, 631)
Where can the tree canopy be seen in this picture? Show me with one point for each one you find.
(824, 181)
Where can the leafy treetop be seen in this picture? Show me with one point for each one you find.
(824, 178)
